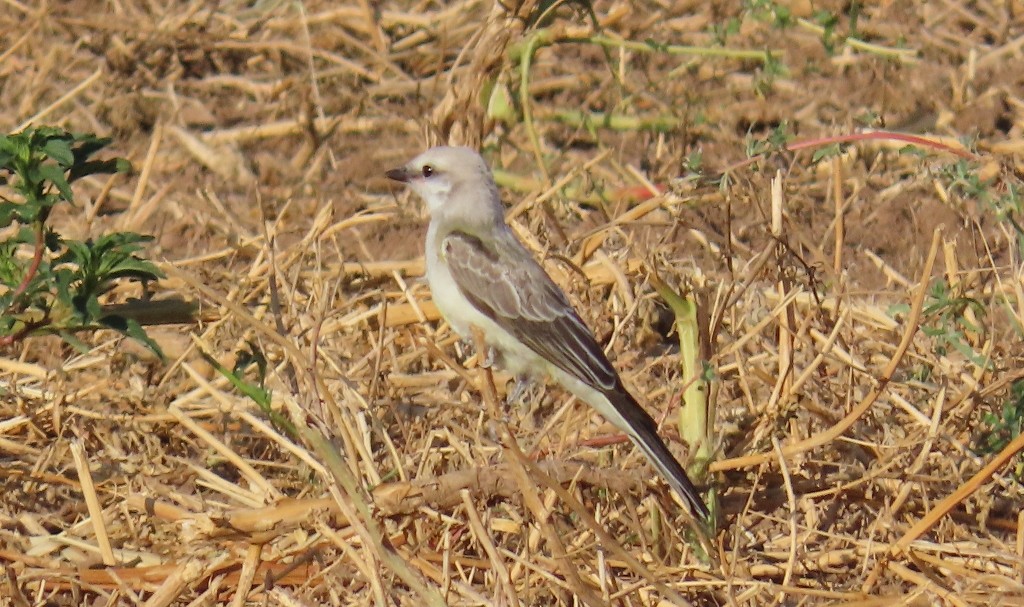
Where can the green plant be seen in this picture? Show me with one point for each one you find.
(252, 361)
(828, 23)
(771, 70)
(1001, 429)
(696, 415)
(1004, 198)
(944, 320)
(947, 323)
(826, 152)
(723, 31)
(694, 163)
(49, 284)
(770, 11)
(776, 141)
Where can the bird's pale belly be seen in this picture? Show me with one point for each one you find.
(461, 315)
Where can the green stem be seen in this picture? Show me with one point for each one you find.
(905, 54)
(615, 122)
(532, 44)
(549, 36)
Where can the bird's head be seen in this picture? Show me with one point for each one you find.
(451, 180)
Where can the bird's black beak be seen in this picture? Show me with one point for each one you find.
(400, 174)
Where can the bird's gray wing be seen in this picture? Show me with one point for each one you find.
(503, 281)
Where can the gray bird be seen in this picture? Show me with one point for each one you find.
(481, 275)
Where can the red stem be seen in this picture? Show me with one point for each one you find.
(20, 334)
(33, 268)
(37, 258)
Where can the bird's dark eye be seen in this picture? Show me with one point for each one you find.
(428, 170)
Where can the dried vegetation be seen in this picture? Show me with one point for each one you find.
(867, 305)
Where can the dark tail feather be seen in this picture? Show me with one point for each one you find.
(643, 431)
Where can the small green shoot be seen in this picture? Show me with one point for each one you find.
(694, 163)
(828, 22)
(775, 141)
(722, 31)
(772, 70)
(947, 324)
(1003, 428)
(869, 119)
(913, 150)
(769, 11)
(1003, 198)
(826, 152)
(256, 391)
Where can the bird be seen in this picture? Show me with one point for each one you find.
(480, 275)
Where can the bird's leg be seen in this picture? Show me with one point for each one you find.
(522, 383)
(490, 358)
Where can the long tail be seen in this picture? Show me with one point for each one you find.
(643, 431)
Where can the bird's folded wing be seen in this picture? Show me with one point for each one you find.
(504, 282)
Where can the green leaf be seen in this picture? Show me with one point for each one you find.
(134, 267)
(59, 150)
(131, 328)
(253, 356)
(55, 175)
(912, 150)
(826, 152)
(693, 422)
(11, 270)
(8, 211)
(7, 321)
(77, 253)
(257, 393)
(79, 345)
(63, 278)
(92, 307)
(26, 235)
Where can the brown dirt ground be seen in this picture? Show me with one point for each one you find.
(260, 135)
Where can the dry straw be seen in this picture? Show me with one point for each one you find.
(849, 391)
